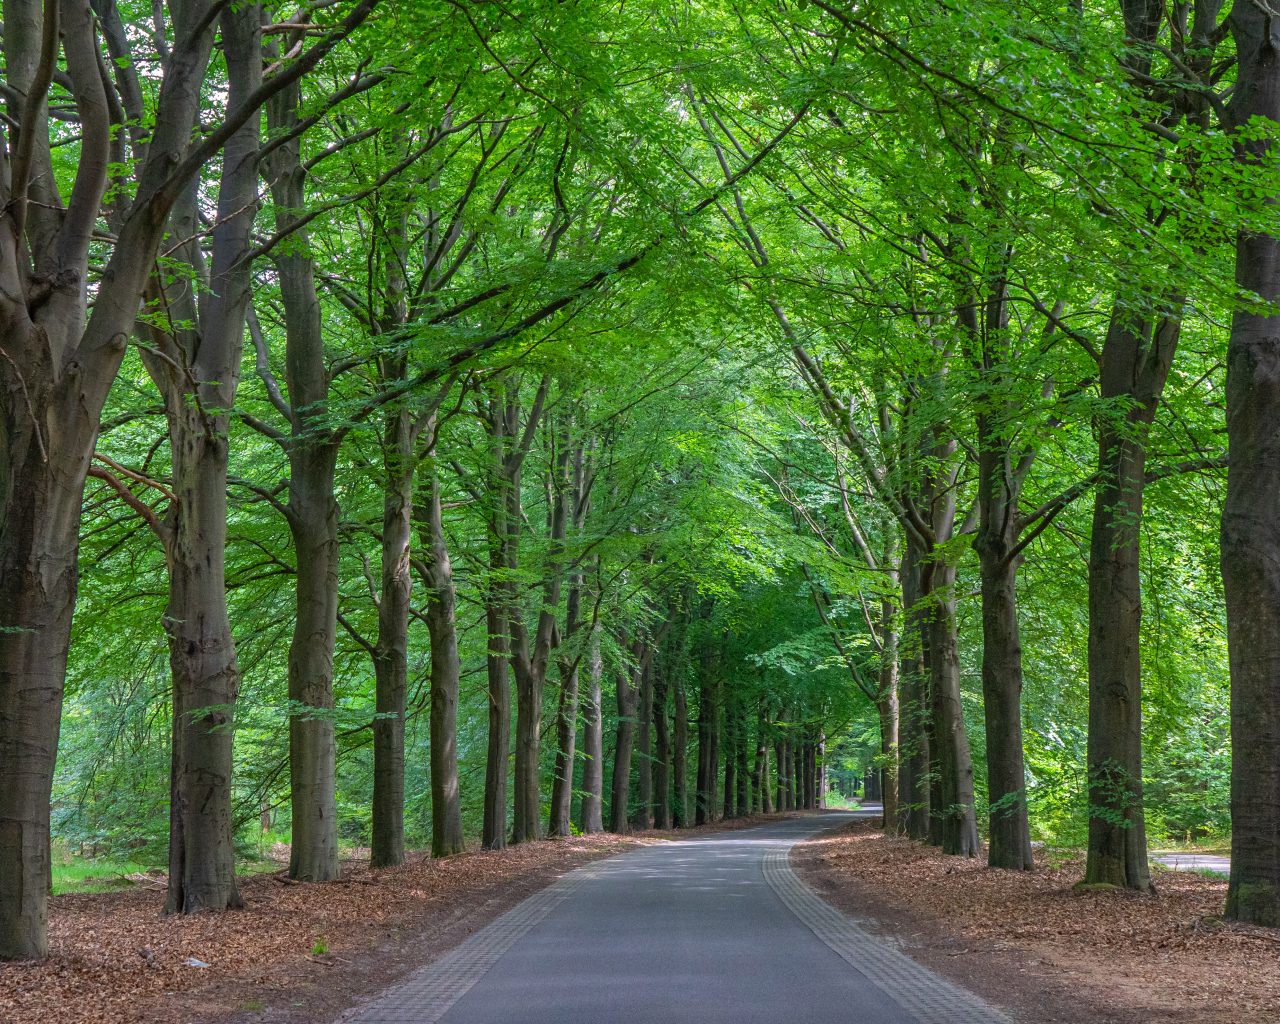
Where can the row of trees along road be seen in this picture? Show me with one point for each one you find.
(464, 420)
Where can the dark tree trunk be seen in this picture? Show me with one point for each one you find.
(530, 656)
(197, 369)
(566, 747)
(730, 764)
(391, 649)
(1136, 357)
(205, 672)
(446, 669)
(1250, 528)
(680, 755)
(494, 836)
(642, 812)
(913, 735)
(1009, 831)
(887, 708)
(624, 745)
(312, 514)
(313, 522)
(662, 745)
(800, 792)
(742, 800)
(708, 763)
(1117, 832)
(950, 741)
(593, 741)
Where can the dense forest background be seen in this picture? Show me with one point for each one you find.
(546, 417)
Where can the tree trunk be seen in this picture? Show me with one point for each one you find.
(662, 746)
(446, 671)
(642, 812)
(205, 673)
(494, 835)
(680, 755)
(887, 710)
(1250, 530)
(593, 741)
(313, 521)
(1009, 831)
(1117, 832)
(913, 736)
(704, 794)
(951, 742)
(566, 751)
(743, 798)
(197, 370)
(730, 763)
(391, 650)
(624, 744)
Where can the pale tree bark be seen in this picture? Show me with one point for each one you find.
(1250, 530)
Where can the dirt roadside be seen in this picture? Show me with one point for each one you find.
(297, 953)
(1028, 942)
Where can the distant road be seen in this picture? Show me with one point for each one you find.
(1194, 862)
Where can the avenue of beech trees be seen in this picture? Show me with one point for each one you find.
(438, 423)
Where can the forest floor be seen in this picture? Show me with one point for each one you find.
(1031, 943)
(297, 953)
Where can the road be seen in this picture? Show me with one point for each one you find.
(1194, 862)
(713, 930)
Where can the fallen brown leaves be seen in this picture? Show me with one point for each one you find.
(116, 957)
(1020, 937)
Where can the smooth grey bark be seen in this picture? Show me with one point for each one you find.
(955, 764)
(69, 357)
(391, 649)
(61, 359)
(195, 364)
(593, 740)
(1250, 529)
(312, 515)
(913, 737)
(446, 665)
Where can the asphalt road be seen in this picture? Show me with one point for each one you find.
(713, 930)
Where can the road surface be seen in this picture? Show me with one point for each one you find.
(1194, 862)
(713, 930)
